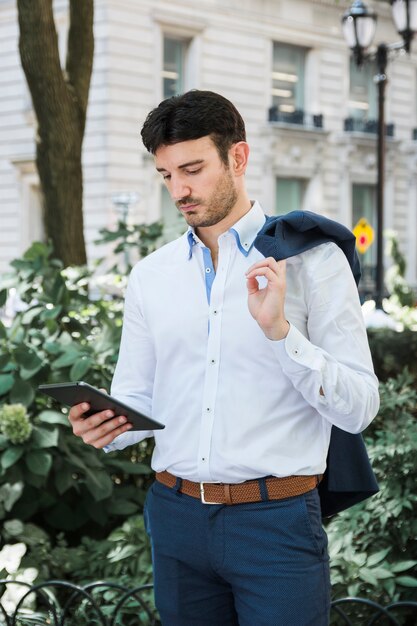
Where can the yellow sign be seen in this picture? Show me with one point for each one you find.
(364, 234)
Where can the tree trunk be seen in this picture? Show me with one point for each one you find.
(60, 103)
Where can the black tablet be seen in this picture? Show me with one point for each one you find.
(75, 393)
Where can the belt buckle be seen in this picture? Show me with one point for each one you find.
(202, 495)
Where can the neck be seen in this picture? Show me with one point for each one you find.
(209, 235)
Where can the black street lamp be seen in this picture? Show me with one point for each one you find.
(359, 24)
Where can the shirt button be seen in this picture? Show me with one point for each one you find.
(296, 351)
(208, 270)
(215, 312)
(208, 409)
(213, 361)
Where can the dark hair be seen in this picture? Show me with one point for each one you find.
(192, 115)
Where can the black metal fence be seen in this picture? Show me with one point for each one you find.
(367, 126)
(297, 118)
(59, 603)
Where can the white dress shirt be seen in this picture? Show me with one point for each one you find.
(235, 404)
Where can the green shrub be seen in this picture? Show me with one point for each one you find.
(372, 545)
(392, 351)
(47, 475)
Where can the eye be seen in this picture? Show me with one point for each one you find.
(194, 171)
(166, 177)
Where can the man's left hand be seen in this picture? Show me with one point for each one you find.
(267, 304)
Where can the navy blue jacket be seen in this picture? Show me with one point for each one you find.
(348, 478)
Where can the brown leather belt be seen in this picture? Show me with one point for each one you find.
(271, 488)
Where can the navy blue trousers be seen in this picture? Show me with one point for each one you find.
(258, 564)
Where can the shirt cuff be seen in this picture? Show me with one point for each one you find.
(127, 439)
(296, 352)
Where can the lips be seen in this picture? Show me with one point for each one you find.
(188, 207)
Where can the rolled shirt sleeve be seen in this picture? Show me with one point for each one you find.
(331, 365)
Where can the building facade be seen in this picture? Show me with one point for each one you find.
(310, 114)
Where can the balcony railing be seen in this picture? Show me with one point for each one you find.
(352, 124)
(60, 603)
(297, 118)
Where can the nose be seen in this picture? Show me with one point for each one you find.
(178, 188)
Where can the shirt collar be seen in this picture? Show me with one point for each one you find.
(245, 230)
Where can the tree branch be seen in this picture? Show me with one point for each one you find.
(39, 53)
(79, 63)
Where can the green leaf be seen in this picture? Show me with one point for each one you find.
(406, 581)
(128, 467)
(377, 557)
(22, 392)
(69, 357)
(38, 250)
(99, 484)
(121, 552)
(52, 347)
(402, 566)
(45, 437)
(53, 417)
(122, 507)
(80, 368)
(39, 462)
(10, 494)
(3, 331)
(3, 297)
(4, 360)
(31, 314)
(27, 358)
(11, 455)
(64, 480)
(367, 576)
(51, 314)
(6, 383)
(382, 572)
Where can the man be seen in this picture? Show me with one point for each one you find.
(248, 362)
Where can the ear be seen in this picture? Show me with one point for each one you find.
(239, 155)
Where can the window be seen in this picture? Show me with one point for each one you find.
(362, 92)
(32, 218)
(288, 78)
(414, 131)
(289, 195)
(173, 66)
(364, 205)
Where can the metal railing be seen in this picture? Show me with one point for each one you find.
(60, 603)
(366, 126)
(296, 118)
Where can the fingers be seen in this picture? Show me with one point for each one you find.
(99, 429)
(252, 285)
(267, 267)
(106, 432)
(273, 271)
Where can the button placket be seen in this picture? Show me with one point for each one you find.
(208, 413)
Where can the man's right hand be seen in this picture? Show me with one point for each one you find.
(97, 430)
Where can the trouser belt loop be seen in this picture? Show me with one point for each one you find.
(227, 495)
(263, 489)
(178, 486)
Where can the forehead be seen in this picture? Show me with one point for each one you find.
(178, 154)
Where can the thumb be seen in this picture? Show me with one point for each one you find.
(252, 285)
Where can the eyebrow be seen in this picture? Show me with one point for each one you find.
(183, 166)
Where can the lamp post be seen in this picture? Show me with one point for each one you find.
(359, 24)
